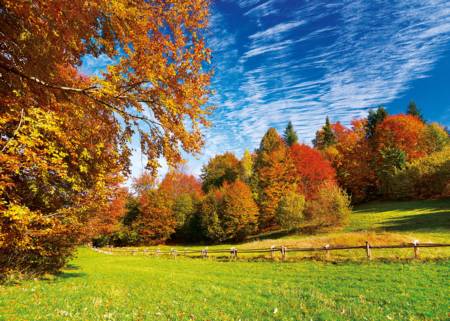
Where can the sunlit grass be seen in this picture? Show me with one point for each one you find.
(392, 286)
(101, 287)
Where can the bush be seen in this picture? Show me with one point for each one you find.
(428, 177)
(290, 210)
(331, 207)
(34, 244)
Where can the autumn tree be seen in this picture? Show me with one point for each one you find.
(156, 222)
(220, 169)
(176, 183)
(64, 136)
(330, 207)
(108, 219)
(185, 191)
(144, 183)
(435, 138)
(312, 169)
(229, 213)
(290, 211)
(290, 136)
(404, 132)
(353, 159)
(274, 175)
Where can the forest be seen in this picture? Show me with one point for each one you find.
(284, 185)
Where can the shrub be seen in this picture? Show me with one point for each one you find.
(427, 177)
(290, 210)
(331, 207)
(33, 243)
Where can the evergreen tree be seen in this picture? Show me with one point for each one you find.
(373, 119)
(290, 136)
(325, 137)
(328, 138)
(413, 110)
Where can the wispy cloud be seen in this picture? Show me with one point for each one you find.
(280, 60)
(321, 58)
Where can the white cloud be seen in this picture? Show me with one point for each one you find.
(276, 30)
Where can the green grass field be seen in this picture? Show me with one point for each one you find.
(120, 287)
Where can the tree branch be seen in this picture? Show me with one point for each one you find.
(15, 132)
(83, 91)
(44, 83)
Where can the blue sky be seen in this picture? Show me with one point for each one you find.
(281, 60)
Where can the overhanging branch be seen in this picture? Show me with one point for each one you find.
(84, 91)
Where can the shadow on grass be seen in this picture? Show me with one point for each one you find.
(306, 230)
(428, 221)
(70, 275)
(388, 206)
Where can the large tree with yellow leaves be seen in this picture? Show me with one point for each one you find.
(64, 137)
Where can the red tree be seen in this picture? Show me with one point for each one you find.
(312, 169)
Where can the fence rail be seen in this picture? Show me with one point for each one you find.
(283, 250)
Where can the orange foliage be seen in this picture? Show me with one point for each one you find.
(405, 132)
(162, 64)
(107, 219)
(65, 137)
(156, 221)
(353, 161)
(276, 174)
(177, 183)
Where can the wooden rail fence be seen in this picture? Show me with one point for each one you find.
(283, 250)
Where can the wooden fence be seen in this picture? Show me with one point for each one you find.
(283, 250)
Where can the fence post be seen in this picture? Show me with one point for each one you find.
(416, 249)
(232, 254)
(174, 253)
(327, 252)
(205, 253)
(368, 251)
(283, 252)
(272, 252)
(157, 252)
(235, 253)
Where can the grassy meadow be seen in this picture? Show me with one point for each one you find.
(96, 286)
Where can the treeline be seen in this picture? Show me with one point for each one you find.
(282, 185)
(388, 156)
(287, 185)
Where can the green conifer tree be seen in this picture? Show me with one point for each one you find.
(413, 110)
(290, 136)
